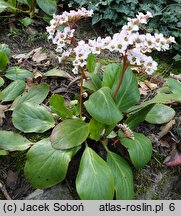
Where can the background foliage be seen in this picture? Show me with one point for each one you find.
(113, 14)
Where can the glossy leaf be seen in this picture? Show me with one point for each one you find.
(94, 179)
(30, 118)
(13, 90)
(123, 176)
(128, 93)
(95, 129)
(69, 133)
(46, 166)
(48, 6)
(102, 108)
(57, 105)
(140, 149)
(36, 95)
(3, 60)
(16, 73)
(13, 142)
(160, 114)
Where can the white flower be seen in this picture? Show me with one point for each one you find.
(128, 42)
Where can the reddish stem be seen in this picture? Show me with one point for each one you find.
(125, 65)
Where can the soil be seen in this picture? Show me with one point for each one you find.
(23, 40)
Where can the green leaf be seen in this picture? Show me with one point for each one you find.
(162, 98)
(46, 166)
(123, 176)
(102, 107)
(26, 21)
(27, 2)
(94, 179)
(3, 152)
(13, 142)
(16, 73)
(93, 83)
(3, 60)
(177, 57)
(69, 133)
(36, 95)
(5, 5)
(1, 81)
(30, 118)
(58, 73)
(140, 149)
(167, 94)
(5, 49)
(111, 73)
(95, 129)
(13, 90)
(160, 114)
(128, 93)
(48, 6)
(133, 120)
(57, 105)
(91, 63)
(174, 85)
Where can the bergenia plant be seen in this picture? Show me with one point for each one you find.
(107, 117)
(111, 98)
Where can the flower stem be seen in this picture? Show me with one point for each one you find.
(125, 65)
(83, 76)
(80, 96)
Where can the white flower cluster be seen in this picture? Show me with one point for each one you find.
(129, 42)
(61, 27)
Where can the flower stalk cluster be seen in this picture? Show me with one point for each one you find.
(128, 42)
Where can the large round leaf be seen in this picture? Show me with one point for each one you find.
(16, 73)
(160, 114)
(29, 118)
(35, 95)
(69, 133)
(123, 176)
(46, 166)
(140, 149)
(13, 142)
(102, 107)
(13, 90)
(128, 93)
(94, 179)
(48, 6)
